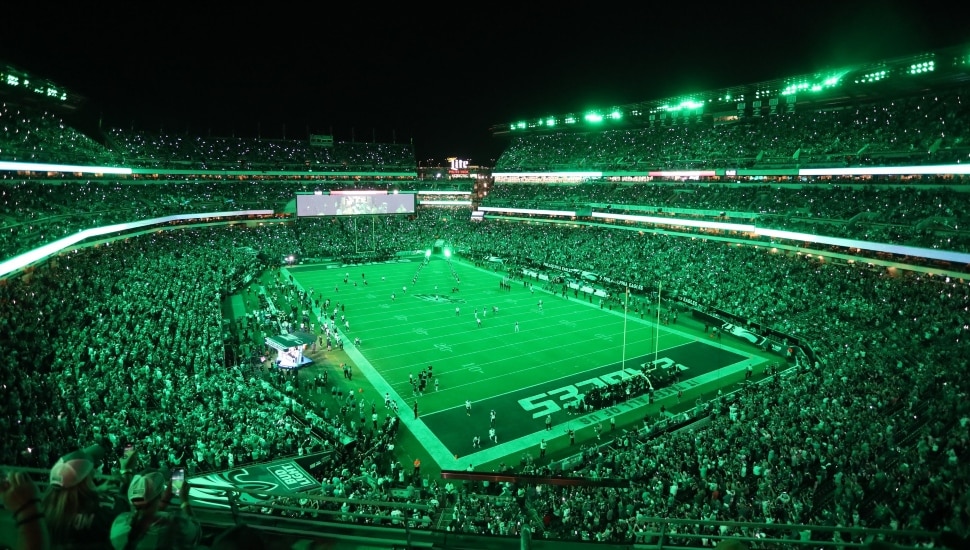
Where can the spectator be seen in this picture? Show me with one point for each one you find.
(20, 496)
(150, 526)
(78, 512)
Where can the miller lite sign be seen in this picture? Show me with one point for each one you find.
(457, 167)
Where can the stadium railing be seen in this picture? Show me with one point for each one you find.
(274, 514)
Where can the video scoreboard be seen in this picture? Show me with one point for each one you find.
(353, 203)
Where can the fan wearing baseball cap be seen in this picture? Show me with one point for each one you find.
(79, 513)
(148, 525)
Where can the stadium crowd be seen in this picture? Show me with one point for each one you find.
(167, 150)
(928, 215)
(929, 128)
(131, 354)
(124, 344)
(931, 216)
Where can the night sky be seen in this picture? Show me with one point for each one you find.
(439, 78)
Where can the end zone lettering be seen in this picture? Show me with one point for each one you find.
(571, 394)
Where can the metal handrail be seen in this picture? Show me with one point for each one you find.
(300, 521)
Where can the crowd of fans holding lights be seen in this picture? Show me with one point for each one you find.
(107, 346)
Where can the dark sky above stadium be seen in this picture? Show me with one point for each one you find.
(437, 77)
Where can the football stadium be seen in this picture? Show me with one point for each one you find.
(734, 319)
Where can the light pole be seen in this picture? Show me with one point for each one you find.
(656, 338)
(626, 308)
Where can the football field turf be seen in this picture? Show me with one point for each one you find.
(412, 314)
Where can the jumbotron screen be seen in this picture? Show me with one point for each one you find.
(353, 203)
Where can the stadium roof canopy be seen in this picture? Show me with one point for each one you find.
(898, 77)
(22, 87)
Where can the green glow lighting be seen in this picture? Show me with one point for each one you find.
(924, 67)
(62, 168)
(795, 88)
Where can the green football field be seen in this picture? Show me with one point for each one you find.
(501, 351)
